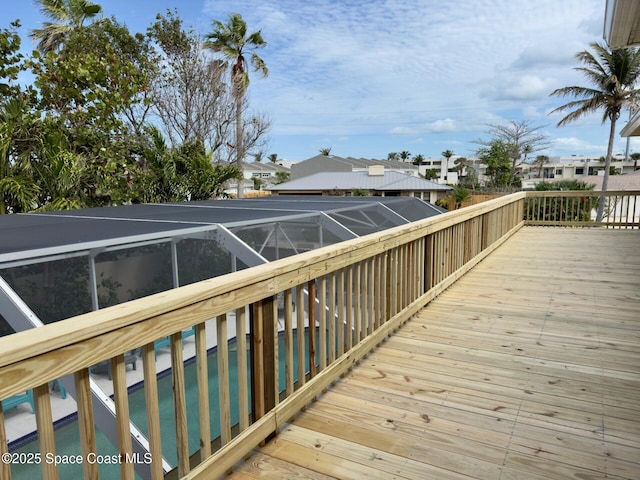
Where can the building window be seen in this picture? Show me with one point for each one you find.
(437, 162)
(256, 175)
(558, 171)
(579, 170)
(265, 175)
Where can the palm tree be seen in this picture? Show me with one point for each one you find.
(540, 162)
(418, 159)
(234, 43)
(66, 15)
(325, 152)
(405, 155)
(447, 154)
(613, 75)
(273, 157)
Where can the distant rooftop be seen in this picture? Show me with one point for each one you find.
(389, 181)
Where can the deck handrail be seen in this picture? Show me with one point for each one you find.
(356, 293)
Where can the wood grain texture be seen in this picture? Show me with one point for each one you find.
(527, 367)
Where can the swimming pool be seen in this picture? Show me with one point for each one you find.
(68, 439)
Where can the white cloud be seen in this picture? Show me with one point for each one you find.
(441, 126)
(576, 144)
(420, 68)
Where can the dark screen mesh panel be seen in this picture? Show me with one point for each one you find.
(366, 220)
(283, 239)
(201, 259)
(5, 328)
(53, 290)
(413, 209)
(257, 238)
(131, 273)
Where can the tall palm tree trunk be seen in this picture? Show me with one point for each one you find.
(239, 94)
(607, 166)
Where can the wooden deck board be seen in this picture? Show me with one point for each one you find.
(526, 368)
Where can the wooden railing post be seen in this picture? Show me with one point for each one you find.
(263, 363)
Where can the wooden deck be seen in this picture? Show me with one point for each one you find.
(527, 368)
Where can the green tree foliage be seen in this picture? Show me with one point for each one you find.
(523, 137)
(431, 174)
(563, 209)
(418, 159)
(11, 60)
(79, 135)
(90, 89)
(174, 174)
(455, 199)
(497, 157)
(282, 177)
(404, 155)
(613, 76)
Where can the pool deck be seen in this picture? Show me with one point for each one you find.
(526, 368)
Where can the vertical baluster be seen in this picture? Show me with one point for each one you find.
(357, 304)
(349, 307)
(274, 345)
(288, 341)
(86, 426)
(384, 288)
(152, 409)
(322, 321)
(121, 400)
(311, 308)
(393, 283)
(180, 412)
(626, 220)
(44, 424)
(202, 386)
(332, 318)
(377, 294)
(300, 335)
(371, 279)
(263, 356)
(341, 312)
(241, 355)
(223, 379)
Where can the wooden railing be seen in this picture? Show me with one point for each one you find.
(354, 295)
(579, 208)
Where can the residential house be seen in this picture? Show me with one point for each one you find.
(376, 180)
(333, 163)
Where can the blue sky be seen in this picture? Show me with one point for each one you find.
(368, 77)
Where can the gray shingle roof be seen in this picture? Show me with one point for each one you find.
(362, 180)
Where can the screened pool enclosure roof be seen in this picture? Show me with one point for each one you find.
(55, 265)
(29, 236)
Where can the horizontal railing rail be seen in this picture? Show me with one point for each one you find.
(299, 323)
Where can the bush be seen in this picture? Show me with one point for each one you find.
(565, 209)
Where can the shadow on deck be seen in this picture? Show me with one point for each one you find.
(527, 367)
